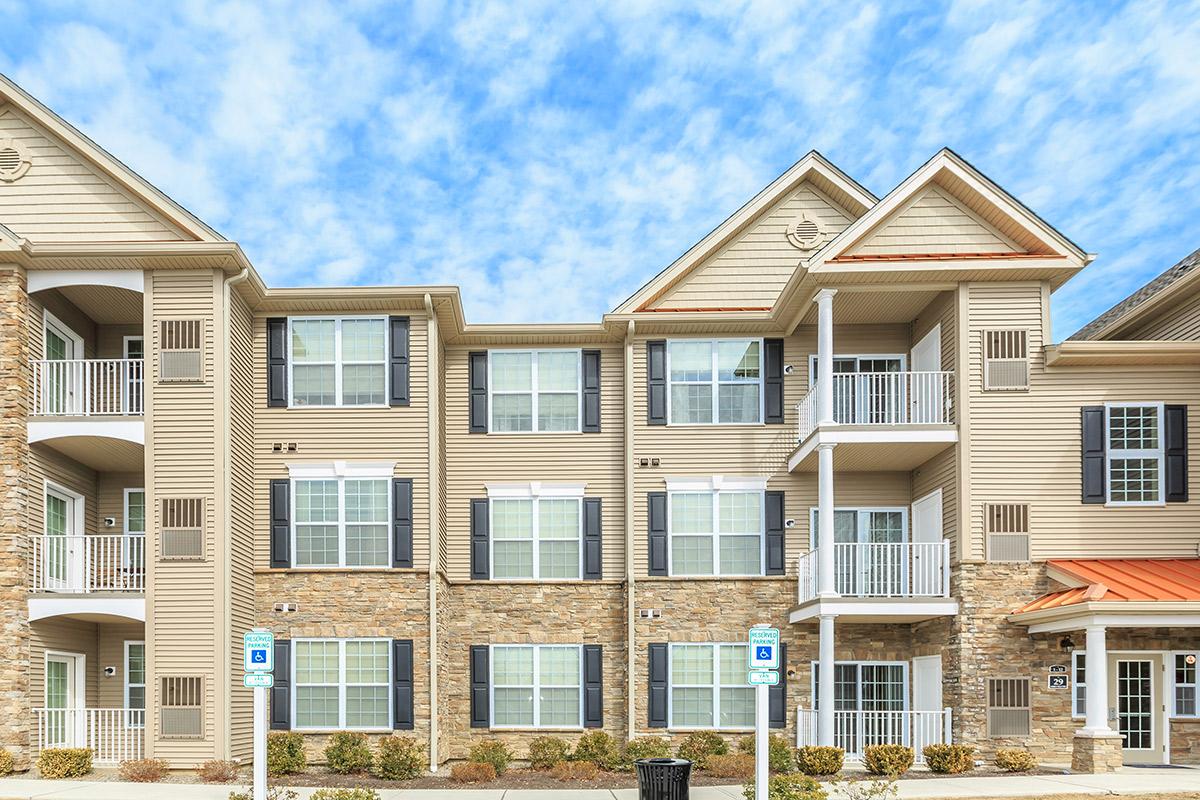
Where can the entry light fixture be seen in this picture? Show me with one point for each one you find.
(1067, 644)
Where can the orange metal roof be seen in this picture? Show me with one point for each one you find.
(1124, 579)
(935, 256)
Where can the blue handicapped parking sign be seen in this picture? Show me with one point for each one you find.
(763, 653)
(258, 656)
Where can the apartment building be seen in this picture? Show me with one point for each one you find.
(839, 414)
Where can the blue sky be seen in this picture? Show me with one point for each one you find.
(550, 157)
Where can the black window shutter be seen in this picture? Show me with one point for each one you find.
(591, 391)
(402, 684)
(480, 545)
(593, 543)
(777, 694)
(281, 523)
(480, 718)
(656, 382)
(398, 394)
(281, 691)
(776, 540)
(658, 686)
(1093, 454)
(1176, 453)
(477, 391)
(593, 687)
(402, 522)
(657, 515)
(277, 362)
(773, 381)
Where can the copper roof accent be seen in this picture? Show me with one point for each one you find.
(1166, 579)
(1171, 276)
(936, 256)
(703, 308)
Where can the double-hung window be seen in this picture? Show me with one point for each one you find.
(135, 682)
(1184, 665)
(536, 537)
(342, 684)
(714, 381)
(1135, 453)
(534, 391)
(708, 686)
(537, 686)
(338, 361)
(1079, 684)
(341, 522)
(716, 532)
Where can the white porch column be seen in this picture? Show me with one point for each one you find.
(1096, 675)
(826, 585)
(826, 683)
(825, 356)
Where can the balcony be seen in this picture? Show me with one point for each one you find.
(88, 577)
(112, 734)
(855, 731)
(881, 421)
(91, 410)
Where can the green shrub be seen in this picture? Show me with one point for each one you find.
(6, 762)
(817, 760)
(472, 772)
(598, 747)
(399, 758)
(698, 746)
(645, 747)
(285, 753)
(788, 787)
(64, 762)
(357, 793)
(494, 752)
(546, 751)
(865, 790)
(143, 770)
(888, 759)
(348, 752)
(731, 765)
(1015, 760)
(779, 752)
(949, 759)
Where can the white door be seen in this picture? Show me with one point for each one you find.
(925, 388)
(62, 549)
(60, 392)
(131, 390)
(61, 722)
(927, 543)
(927, 698)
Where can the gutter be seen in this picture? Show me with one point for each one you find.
(432, 371)
(630, 608)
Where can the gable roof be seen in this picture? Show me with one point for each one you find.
(1117, 579)
(1140, 302)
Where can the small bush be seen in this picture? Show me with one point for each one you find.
(273, 793)
(347, 753)
(472, 772)
(645, 747)
(546, 751)
(698, 746)
(1015, 760)
(779, 752)
(6, 762)
(599, 747)
(64, 762)
(218, 771)
(731, 765)
(888, 759)
(575, 770)
(949, 759)
(143, 770)
(285, 753)
(357, 793)
(788, 787)
(399, 758)
(817, 760)
(866, 790)
(493, 752)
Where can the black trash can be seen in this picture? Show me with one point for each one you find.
(663, 778)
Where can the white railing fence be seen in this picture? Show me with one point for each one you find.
(112, 734)
(88, 387)
(83, 564)
(882, 398)
(854, 731)
(902, 569)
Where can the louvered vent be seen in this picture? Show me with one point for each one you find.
(181, 350)
(1005, 360)
(805, 233)
(1007, 526)
(181, 707)
(1008, 712)
(10, 160)
(182, 530)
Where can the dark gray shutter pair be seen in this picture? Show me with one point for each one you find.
(477, 391)
(402, 686)
(402, 523)
(1094, 477)
(656, 382)
(776, 541)
(659, 672)
(593, 686)
(398, 362)
(593, 542)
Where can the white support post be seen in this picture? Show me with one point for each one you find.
(826, 585)
(260, 743)
(762, 705)
(1096, 669)
(825, 685)
(825, 356)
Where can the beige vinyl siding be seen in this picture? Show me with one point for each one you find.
(110, 339)
(242, 488)
(941, 471)
(1182, 322)
(67, 313)
(935, 222)
(475, 459)
(47, 464)
(752, 269)
(63, 635)
(64, 199)
(111, 488)
(111, 653)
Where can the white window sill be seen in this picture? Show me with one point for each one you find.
(678, 729)
(712, 425)
(534, 433)
(338, 730)
(1155, 504)
(529, 728)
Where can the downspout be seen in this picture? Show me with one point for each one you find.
(432, 371)
(630, 608)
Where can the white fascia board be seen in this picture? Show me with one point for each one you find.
(133, 608)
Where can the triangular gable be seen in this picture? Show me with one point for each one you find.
(847, 197)
(935, 221)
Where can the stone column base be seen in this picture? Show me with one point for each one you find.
(1094, 754)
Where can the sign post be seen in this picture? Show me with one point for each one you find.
(764, 661)
(258, 646)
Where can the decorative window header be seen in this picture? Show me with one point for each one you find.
(717, 483)
(535, 489)
(343, 469)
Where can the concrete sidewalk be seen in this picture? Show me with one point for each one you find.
(1129, 781)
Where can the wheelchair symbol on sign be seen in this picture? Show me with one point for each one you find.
(762, 653)
(258, 656)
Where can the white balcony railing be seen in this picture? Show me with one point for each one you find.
(903, 569)
(88, 387)
(882, 398)
(854, 731)
(112, 734)
(85, 564)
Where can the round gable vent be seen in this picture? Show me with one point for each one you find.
(806, 233)
(14, 160)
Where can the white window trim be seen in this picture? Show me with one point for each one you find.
(715, 382)
(534, 498)
(79, 690)
(60, 328)
(337, 362)
(125, 340)
(341, 685)
(125, 668)
(533, 390)
(536, 688)
(860, 522)
(1159, 454)
(1171, 684)
(716, 535)
(125, 510)
(340, 478)
(716, 686)
(812, 362)
(75, 507)
(904, 666)
(1079, 658)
